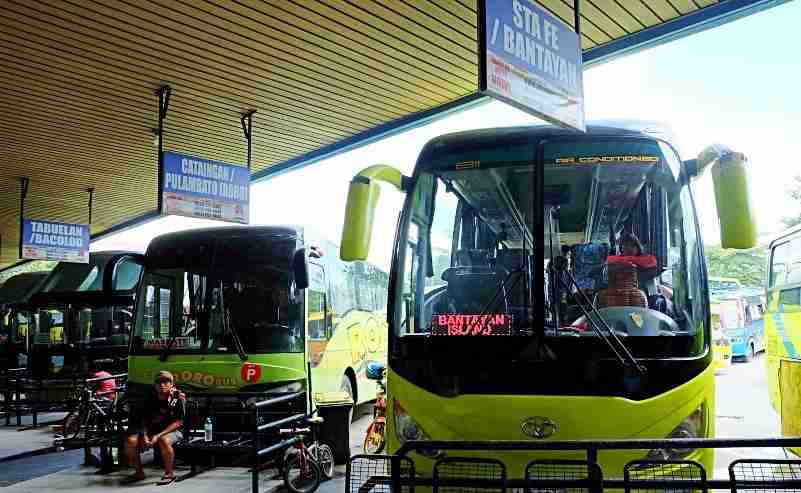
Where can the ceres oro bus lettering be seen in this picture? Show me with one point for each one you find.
(206, 379)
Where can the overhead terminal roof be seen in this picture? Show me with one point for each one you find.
(77, 81)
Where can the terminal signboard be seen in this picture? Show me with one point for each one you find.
(50, 240)
(202, 188)
(531, 60)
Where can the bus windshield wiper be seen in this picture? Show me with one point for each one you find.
(228, 328)
(626, 358)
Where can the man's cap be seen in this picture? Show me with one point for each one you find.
(164, 375)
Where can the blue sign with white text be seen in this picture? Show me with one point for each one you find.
(49, 240)
(533, 61)
(202, 188)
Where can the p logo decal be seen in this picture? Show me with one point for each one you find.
(250, 372)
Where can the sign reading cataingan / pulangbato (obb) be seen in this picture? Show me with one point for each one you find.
(202, 188)
(49, 240)
(533, 61)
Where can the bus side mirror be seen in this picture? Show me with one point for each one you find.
(732, 196)
(363, 195)
(300, 266)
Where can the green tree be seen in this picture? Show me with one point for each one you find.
(747, 266)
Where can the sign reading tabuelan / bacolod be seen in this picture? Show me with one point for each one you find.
(202, 188)
(532, 60)
(49, 240)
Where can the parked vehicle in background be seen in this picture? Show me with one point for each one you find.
(739, 311)
(231, 310)
(783, 330)
(84, 312)
(15, 318)
(721, 347)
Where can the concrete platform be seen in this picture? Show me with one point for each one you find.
(82, 479)
(15, 441)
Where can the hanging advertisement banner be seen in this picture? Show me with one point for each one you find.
(202, 188)
(532, 60)
(48, 240)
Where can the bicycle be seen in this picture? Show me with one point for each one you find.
(303, 465)
(375, 439)
(92, 413)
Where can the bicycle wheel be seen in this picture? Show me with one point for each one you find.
(374, 438)
(324, 456)
(72, 424)
(301, 474)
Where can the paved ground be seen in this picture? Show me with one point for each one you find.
(743, 410)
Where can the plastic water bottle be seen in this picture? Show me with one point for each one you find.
(207, 429)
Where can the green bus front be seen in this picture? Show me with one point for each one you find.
(488, 338)
(218, 308)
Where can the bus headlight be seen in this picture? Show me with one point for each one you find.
(693, 426)
(406, 428)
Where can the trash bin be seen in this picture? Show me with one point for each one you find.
(336, 427)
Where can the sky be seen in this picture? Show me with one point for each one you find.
(736, 85)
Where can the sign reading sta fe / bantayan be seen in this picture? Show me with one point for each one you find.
(533, 61)
(197, 187)
(49, 240)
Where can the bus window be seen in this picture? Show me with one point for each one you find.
(126, 274)
(790, 297)
(316, 308)
(778, 264)
(255, 303)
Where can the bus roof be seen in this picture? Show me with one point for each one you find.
(19, 288)
(202, 234)
(494, 136)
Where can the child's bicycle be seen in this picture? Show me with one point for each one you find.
(304, 465)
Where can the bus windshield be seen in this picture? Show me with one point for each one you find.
(213, 294)
(480, 250)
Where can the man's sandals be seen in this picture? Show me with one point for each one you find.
(165, 480)
(133, 478)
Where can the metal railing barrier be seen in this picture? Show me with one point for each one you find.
(455, 474)
(251, 433)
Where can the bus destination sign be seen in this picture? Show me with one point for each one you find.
(49, 240)
(197, 187)
(458, 324)
(531, 60)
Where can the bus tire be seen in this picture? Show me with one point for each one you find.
(349, 386)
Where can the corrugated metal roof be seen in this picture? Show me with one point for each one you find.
(77, 81)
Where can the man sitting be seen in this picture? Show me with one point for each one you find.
(162, 416)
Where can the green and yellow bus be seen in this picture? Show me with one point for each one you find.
(495, 342)
(783, 330)
(248, 309)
